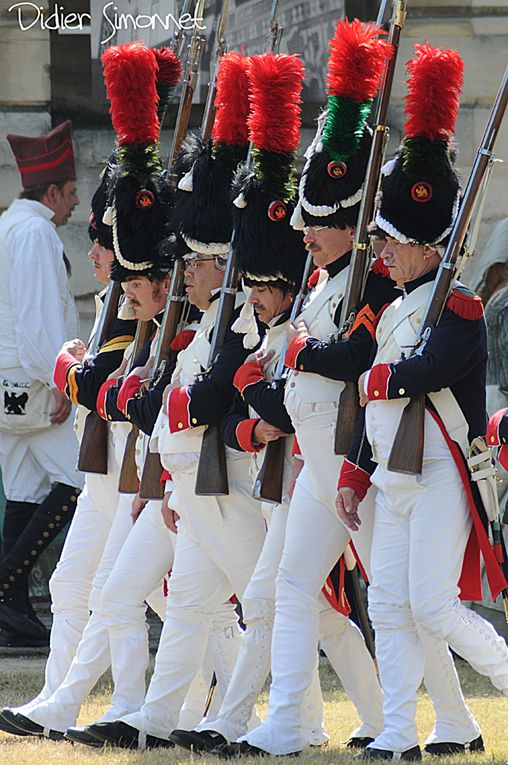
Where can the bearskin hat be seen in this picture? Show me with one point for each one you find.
(332, 179)
(420, 192)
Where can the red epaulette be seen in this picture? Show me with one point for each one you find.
(378, 267)
(465, 304)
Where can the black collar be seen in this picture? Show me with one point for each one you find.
(415, 283)
(339, 265)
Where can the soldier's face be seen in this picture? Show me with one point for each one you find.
(102, 260)
(327, 244)
(407, 262)
(201, 277)
(147, 298)
(269, 302)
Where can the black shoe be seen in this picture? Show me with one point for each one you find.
(125, 736)
(23, 726)
(21, 623)
(199, 741)
(8, 727)
(82, 735)
(358, 742)
(244, 749)
(369, 754)
(441, 748)
(10, 639)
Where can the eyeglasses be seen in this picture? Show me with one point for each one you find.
(191, 261)
(313, 229)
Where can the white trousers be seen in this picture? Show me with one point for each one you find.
(217, 546)
(92, 656)
(421, 530)
(31, 462)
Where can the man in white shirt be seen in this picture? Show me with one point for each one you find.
(38, 449)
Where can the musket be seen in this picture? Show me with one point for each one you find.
(191, 78)
(93, 450)
(180, 35)
(349, 407)
(128, 479)
(220, 49)
(407, 451)
(212, 476)
(269, 482)
(151, 487)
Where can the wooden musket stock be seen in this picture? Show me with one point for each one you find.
(93, 450)
(407, 455)
(349, 407)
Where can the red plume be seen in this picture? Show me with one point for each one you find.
(170, 67)
(434, 87)
(357, 58)
(130, 74)
(276, 86)
(232, 101)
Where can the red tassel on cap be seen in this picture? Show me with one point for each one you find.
(434, 87)
(170, 67)
(357, 58)
(232, 101)
(130, 74)
(276, 86)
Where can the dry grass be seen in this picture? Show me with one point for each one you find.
(19, 683)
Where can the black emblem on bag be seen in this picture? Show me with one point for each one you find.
(15, 403)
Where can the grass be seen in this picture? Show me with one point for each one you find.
(22, 679)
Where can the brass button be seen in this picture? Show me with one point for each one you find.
(128, 416)
(65, 508)
(51, 525)
(109, 417)
(19, 571)
(6, 586)
(45, 534)
(376, 393)
(73, 499)
(33, 553)
(40, 542)
(26, 562)
(180, 425)
(401, 391)
(12, 579)
(194, 421)
(58, 517)
(492, 439)
(2, 594)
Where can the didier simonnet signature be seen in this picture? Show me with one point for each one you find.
(30, 15)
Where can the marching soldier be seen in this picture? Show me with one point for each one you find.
(428, 528)
(271, 257)
(37, 445)
(330, 191)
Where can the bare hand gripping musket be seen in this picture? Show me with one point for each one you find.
(407, 451)
(93, 451)
(269, 483)
(212, 477)
(349, 407)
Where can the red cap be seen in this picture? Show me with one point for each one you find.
(46, 158)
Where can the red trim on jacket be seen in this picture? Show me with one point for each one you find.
(377, 387)
(365, 318)
(244, 433)
(493, 436)
(182, 339)
(295, 451)
(64, 362)
(248, 374)
(313, 278)
(470, 581)
(165, 476)
(130, 386)
(354, 477)
(178, 409)
(339, 600)
(466, 306)
(101, 397)
(294, 348)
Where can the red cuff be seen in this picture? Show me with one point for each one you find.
(493, 436)
(64, 361)
(182, 339)
(377, 388)
(178, 410)
(130, 386)
(101, 397)
(244, 433)
(354, 477)
(166, 476)
(296, 448)
(502, 457)
(248, 374)
(294, 348)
